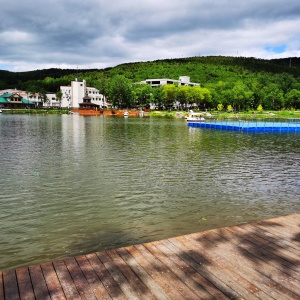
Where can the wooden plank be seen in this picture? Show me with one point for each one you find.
(282, 276)
(1, 286)
(246, 288)
(279, 227)
(154, 271)
(11, 290)
(183, 271)
(216, 277)
(272, 245)
(272, 274)
(221, 259)
(66, 281)
(118, 276)
(291, 221)
(270, 252)
(213, 262)
(170, 276)
(144, 276)
(270, 236)
(203, 287)
(92, 278)
(252, 275)
(81, 283)
(38, 282)
(256, 253)
(139, 286)
(53, 284)
(110, 285)
(24, 283)
(284, 234)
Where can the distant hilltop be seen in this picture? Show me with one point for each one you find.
(290, 65)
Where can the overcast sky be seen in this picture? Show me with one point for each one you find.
(42, 34)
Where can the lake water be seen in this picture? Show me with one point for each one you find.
(72, 185)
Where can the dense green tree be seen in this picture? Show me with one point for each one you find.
(43, 95)
(169, 94)
(101, 83)
(241, 95)
(58, 96)
(157, 96)
(293, 99)
(143, 94)
(207, 99)
(183, 96)
(120, 92)
(272, 97)
(284, 81)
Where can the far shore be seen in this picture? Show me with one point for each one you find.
(219, 115)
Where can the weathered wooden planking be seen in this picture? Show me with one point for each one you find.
(24, 283)
(38, 282)
(252, 261)
(1, 286)
(53, 284)
(66, 281)
(10, 285)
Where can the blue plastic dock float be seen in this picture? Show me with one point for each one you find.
(248, 126)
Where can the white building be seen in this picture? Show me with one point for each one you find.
(72, 95)
(183, 80)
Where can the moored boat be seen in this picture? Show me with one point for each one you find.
(195, 117)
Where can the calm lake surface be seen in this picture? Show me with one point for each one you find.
(72, 185)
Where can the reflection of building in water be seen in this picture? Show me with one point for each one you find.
(73, 136)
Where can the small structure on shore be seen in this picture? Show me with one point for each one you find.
(87, 107)
(14, 101)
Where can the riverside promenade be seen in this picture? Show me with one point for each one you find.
(259, 260)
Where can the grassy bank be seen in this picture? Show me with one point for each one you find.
(284, 114)
(36, 111)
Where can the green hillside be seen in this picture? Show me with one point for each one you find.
(206, 69)
(238, 81)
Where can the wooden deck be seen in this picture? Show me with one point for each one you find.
(252, 261)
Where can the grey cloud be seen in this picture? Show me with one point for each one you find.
(88, 32)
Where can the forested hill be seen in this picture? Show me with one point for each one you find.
(204, 70)
(207, 69)
(238, 81)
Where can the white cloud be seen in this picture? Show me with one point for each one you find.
(16, 37)
(97, 33)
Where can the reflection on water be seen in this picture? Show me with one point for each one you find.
(72, 185)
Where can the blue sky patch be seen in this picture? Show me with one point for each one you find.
(5, 67)
(275, 49)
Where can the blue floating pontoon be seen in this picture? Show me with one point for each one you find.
(248, 126)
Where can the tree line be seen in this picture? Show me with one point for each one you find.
(271, 92)
(243, 83)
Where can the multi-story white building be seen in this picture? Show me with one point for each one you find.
(183, 80)
(71, 96)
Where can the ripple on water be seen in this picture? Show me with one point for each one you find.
(79, 185)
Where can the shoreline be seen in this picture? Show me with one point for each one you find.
(284, 114)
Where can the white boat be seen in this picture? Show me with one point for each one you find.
(126, 113)
(195, 117)
(0, 111)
